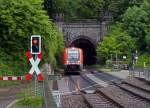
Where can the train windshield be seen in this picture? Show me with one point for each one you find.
(73, 55)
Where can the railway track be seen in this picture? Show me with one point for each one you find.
(133, 89)
(96, 99)
(125, 98)
(143, 85)
(126, 94)
(119, 94)
(139, 92)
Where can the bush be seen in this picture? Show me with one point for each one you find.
(143, 58)
(116, 41)
(109, 63)
(32, 101)
(8, 83)
(22, 19)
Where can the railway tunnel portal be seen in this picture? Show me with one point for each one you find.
(85, 35)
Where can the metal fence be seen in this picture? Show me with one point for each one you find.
(48, 98)
(140, 72)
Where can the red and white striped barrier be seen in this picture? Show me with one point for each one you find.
(28, 75)
(11, 78)
(34, 66)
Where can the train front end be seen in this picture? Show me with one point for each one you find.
(73, 59)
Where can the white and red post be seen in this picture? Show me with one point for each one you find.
(34, 67)
(36, 50)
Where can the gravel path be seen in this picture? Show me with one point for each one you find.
(73, 101)
(8, 94)
(125, 99)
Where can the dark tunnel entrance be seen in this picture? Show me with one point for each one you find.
(89, 50)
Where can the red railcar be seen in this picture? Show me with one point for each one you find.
(73, 59)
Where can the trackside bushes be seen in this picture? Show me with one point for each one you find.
(19, 19)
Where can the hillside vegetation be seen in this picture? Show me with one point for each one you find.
(19, 19)
(129, 33)
(87, 9)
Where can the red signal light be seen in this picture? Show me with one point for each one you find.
(35, 44)
(35, 41)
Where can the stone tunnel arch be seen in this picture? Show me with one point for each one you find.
(88, 47)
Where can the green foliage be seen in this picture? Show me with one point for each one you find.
(117, 41)
(109, 63)
(9, 83)
(17, 23)
(134, 28)
(32, 101)
(28, 99)
(136, 23)
(25, 93)
(117, 7)
(87, 9)
(147, 40)
(143, 58)
(55, 6)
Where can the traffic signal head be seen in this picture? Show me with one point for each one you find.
(35, 44)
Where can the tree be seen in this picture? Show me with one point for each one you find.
(54, 7)
(18, 22)
(89, 8)
(147, 40)
(136, 22)
(116, 42)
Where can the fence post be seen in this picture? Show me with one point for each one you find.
(144, 73)
(144, 70)
(148, 74)
(139, 72)
(129, 72)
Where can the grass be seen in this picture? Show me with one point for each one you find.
(25, 93)
(36, 102)
(28, 99)
(9, 83)
(103, 68)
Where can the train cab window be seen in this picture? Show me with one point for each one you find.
(73, 55)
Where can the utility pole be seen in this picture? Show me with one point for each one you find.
(111, 57)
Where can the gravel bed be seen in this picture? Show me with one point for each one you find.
(136, 91)
(98, 101)
(124, 98)
(138, 83)
(73, 101)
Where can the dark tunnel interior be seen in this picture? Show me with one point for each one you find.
(89, 50)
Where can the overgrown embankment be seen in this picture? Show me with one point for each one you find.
(19, 19)
(128, 36)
